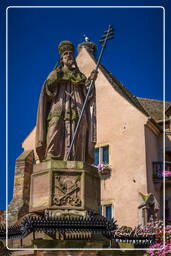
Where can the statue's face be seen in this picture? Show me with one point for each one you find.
(68, 58)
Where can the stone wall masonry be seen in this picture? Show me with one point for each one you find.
(66, 253)
(80, 253)
(2, 217)
(19, 206)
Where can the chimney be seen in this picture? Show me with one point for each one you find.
(90, 46)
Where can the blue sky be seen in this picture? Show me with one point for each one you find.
(134, 57)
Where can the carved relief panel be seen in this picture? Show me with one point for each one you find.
(66, 189)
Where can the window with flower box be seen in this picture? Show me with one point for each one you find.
(102, 155)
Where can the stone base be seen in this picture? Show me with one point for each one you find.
(70, 187)
(66, 253)
(24, 253)
(92, 252)
(96, 243)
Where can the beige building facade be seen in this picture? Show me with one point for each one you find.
(131, 130)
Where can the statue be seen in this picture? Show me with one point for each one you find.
(60, 103)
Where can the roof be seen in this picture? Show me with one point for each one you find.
(168, 110)
(123, 90)
(119, 87)
(150, 107)
(154, 108)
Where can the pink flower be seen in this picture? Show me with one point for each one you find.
(167, 173)
(158, 244)
(102, 166)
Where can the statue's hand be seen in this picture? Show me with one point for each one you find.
(51, 81)
(51, 84)
(93, 75)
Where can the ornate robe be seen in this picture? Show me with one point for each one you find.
(60, 104)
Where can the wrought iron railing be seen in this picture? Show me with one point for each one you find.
(74, 228)
(159, 171)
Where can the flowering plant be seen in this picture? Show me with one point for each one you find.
(167, 173)
(103, 168)
(159, 243)
(160, 174)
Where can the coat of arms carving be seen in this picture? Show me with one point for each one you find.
(67, 190)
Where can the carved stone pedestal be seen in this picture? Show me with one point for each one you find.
(60, 187)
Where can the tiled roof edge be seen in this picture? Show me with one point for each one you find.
(122, 89)
(148, 99)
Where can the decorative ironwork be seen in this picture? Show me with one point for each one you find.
(74, 227)
(4, 250)
(95, 224)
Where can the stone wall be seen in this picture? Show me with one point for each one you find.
(19, 206)
(2, 216)
(80, 253)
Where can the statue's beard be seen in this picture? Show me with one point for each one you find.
(71, 63)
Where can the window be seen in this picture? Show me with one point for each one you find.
(100, 211)
(102, 155)
(106, 211)
(97, 156)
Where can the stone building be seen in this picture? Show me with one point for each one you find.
(129, 140)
